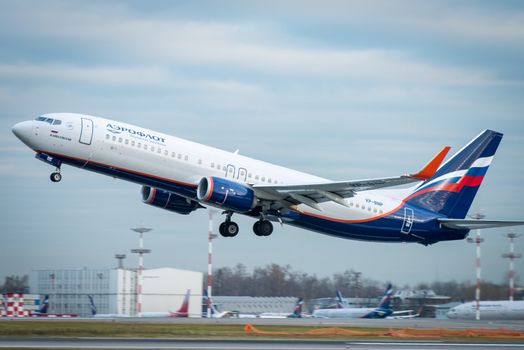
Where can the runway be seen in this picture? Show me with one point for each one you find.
(190, 344)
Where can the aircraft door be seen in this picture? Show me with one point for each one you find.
(242, 174)
(86, 131)
(230, 171)
(408, 220)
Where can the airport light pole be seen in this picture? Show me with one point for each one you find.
(478, 240)
(512, 256)
(210, 237)
(140, 251)
(120, 258)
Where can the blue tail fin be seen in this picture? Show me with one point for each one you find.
(452, 189)
(92, 305)
(44, 306)
(386, 299)
(340, 301)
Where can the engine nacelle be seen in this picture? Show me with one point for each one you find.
(167, 200)
(226, 194)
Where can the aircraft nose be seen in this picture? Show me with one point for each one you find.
(23, 130)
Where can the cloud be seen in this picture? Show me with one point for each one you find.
(183, 44)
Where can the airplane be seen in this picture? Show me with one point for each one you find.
(182, 312)
(94, 311)
(214, 312)
(489, 310)
(42, 311)
(382, 310)
(297, 312)
(341, 303)
(182, 176)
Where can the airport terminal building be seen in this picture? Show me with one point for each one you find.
(114, 291)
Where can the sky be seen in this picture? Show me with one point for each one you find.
(340, 89)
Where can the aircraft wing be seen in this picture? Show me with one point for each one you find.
(313, 193)
(477, 224)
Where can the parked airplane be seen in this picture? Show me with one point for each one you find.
(341, 303)
(42, 311)
(297, 312)
(489, 310)
(94, 311)
(182, 312)
(182, 176)
(381, 311)
(214, 312)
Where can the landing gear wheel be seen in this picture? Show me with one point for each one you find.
(263, 228)
(55, 177)
(228, 229)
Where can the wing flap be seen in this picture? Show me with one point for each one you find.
(477, 224)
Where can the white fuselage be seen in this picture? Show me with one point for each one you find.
(343, 313)
(170, 160)
(489, 310)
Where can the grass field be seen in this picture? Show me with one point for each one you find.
(40, 328)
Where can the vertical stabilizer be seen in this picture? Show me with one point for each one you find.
(451, 190)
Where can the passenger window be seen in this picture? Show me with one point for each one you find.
(133, 143)
(256, 177)
(152, 148)
(159, 151)
(212, 165)
(179, 156)
(264, 178)
(145, 146)
(173, 154)
(186, 158)
(108, 137)
(139, 145)
(114, 138)
(119, 140)
(166, 152)
(126, 141)
(269, 180)
(249, 175)
(200, 161)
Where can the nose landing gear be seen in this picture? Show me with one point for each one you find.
(56, 176)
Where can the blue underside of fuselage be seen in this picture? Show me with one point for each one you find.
(386, 229)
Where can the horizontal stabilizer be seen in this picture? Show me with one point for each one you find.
(477, 224)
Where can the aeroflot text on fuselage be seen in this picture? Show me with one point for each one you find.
(116, 129)
(183, 176)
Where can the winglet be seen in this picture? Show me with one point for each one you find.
(431, 168)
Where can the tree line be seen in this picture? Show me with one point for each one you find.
(277, 280)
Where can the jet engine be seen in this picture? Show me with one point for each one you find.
(167, 200)
(226, 194)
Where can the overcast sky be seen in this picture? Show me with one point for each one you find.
(340, 89)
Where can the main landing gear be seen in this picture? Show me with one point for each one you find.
(263, 227)
(56, 176)
(229, 228)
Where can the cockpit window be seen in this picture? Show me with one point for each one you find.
(48, 120)
(57, 122)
